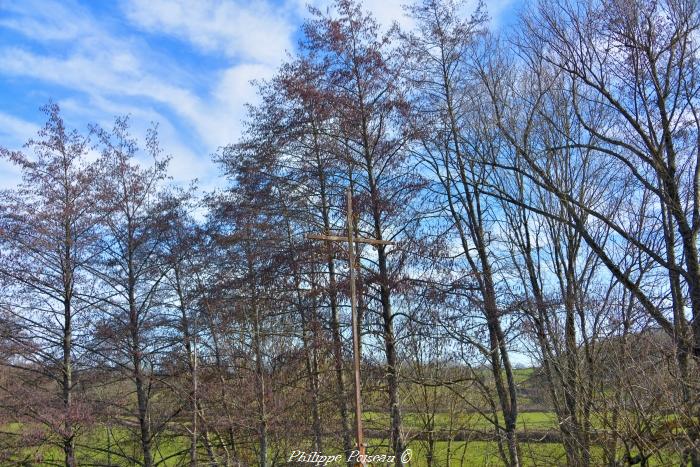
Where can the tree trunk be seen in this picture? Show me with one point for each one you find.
(67, 380)
(142, 395)
(389, 338)
(67, 385)
(260, 384)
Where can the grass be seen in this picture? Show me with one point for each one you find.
(485, 453)
(91, 446)
(172, 450)
(526, 421)
(467, 454)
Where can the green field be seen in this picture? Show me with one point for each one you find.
(474, 453)
(413, 421)
(92, 449)
(173, 451)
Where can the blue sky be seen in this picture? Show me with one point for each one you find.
(186, 65)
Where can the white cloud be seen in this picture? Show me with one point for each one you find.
(116, 73)
(45, 21)
(386, 12)
(185, 164)
(251, 31)
(15, 131)
(215, 117)
(111, 69)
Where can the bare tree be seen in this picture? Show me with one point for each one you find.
(130, 272)
(631, 83)
(47, 226)
(456, 142)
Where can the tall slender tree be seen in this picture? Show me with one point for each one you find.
(47, 228)
(455, 145)
(130, 269)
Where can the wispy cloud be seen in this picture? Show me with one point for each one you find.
(44, 20)
(131, 61)
(15, 131)
(115, 71)
(250, 31)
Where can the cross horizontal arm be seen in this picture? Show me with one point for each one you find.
(334, 238)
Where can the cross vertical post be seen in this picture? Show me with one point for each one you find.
(351, 240)
(355, 331)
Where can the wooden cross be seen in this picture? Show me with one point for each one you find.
(351, 239)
